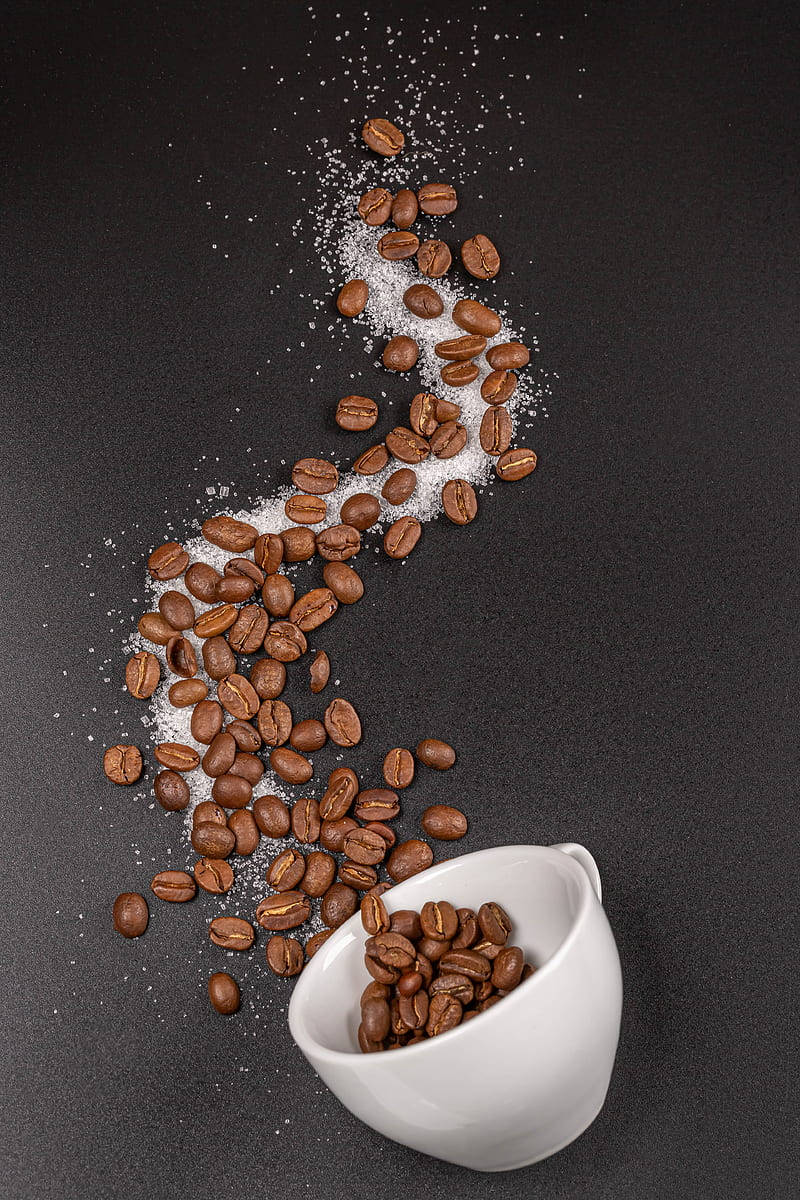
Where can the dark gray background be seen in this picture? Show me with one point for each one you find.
(611, 646)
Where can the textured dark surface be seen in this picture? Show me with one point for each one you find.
(613, 652)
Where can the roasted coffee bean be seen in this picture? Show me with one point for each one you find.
(507, 969)
(483, 990)
(461, 348)
(401, 537)
(406, 445)
(231, 933)
(432, 949)
(213, 875)
(488, 948)
(398, 244)
(476, 318)
(249, 766)
(443, 822)
(408, 858)
(224, 994)
(287, 910)
(218, 658)
(425, 968)
(387, 833)
(208, 811)
(400, 353)
(176, 756)
(244, 568)
(467, 929)
(360, 876)
(508, 356)
(201, 579)
(352, 299)
(515, 464)
(305, 820)
(274, 722)
(272, 816)
(218, 758)
(435, 753)
(527, 971)
(168, 561)
(177, 609)
(181, 658)
(338, 905)
(232, 791)
(284, 956)
(409, 982)
(313, 609)
(446, 410)
(459, 501)
(365, 847)
(375, 1019)
(405, 208)
(286, 870)
(299, 543)
(495, 431)
(374, 916)
(142, 673)
(480, 257)
(434, 258)
(438, 920)
(423, 414)
(155, 629)
(316, 942)
(459, 374)
(345, 582)
(377, 804)
(399, 486)
(234, 589)
(268, 552)
(333, 833)
(375, 206)
(285, 641)
(423, 301)
(172, 791)
(175, 886)
(278, 594)
(457, 986)
(246, 737)
(308, 736)
(495, 922)
(383, 137)
(379, 972)
(268, 677)
(187, 692)
(130, 914)
(413, 1007)
(238, 697)
(319, 875)
(449, 440)
(215, 621)
(207, 719)
(320, 669)
(373, 460)
(306, 510)
(342, 723)
(229, 533)
(437, 199)
(391, 949)
(361, 510)
(341, 792)
(315, 475)
(356, 413)
(498, 386)
(338, 543)
(290, 765)
(466, 962)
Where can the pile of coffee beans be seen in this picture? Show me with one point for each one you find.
(433, 970)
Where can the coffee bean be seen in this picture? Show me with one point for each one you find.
(387, 833)
(338, 905)
(142, 673)
(443, 822)
(315, 475)
(306, 510)
(466, 962)
(308, 736)
(435, 753)
(244, 568)
(365, 847)
(284, 956)
(223, 992)
(515, 464)
(379, 972)
(233, 589)
(246, 737)
(495, 922)
(313, 609)
(405, 208)
(447, 411)
(397, 245)
(507, 970)
(177, 756)
(413, 1008)
(438, 920)
(527, 971)
(375, 1019)
(268, 552)
(278, 594)
(377, 804)
(508, 356)
(398, 767)
(316, 942)
(175, 886)
(208, 811)
(459, 374)
(352, 299)
(495, 431)
(339, 795)
(400, 353)
(207, 721)
(274, 722)
(407, 446)
(122, 764)
(392, 949)
(356, 413)
(181, 658)
(383, 137)
(423, 414)
(155, 629)
(168, 561)
(401, 537)
(285, 872)
(271, 816)
(290, 765)
(172, 791)
(432, 949)
(337, 543)
(375, 206)
(299, 544)
(488, 948)
(131, 914)
(238, 697)
(285, 641)
(399, 486)
(319, 875)
(434, 258)
(287, 910)
(333, 833)
(345, 582)
(187, 692)
(342, 723)
(409, 982)
(232, 791)
(409, 858)
(457, 986)
(215, 621)
(320, 669)
(360, 876)
(231, 933)
(370, 462)
(249, 766)
(480, 257)
(476, 318)
(305, 820)
(213, 875)
(423, 301)
(498, 387)
(361, 510)
(461, 348)
(218, 758)
(467, 926)
(449, 440)
(177, 609)
(218, 658)
(374, 916)
(459, 501)
(201, 579)
(229, 533)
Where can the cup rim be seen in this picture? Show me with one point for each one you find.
(298, 1026)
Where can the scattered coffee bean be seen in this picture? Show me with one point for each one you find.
(286, 870)
(317, 941)
(231, 933)
(423, 418)
(495, 431)
(338, 542)
(508, 356)
(172, 791)
(361, 510)
(315, 475)
(249, 766)
(213, 875)
(244, 568)
(168, 561)
(342, 723)
(155, 629)
(400, 353)
(374, 916)
(287, 910)
(290, 765)
(437, 199)
(446, 410)
(434, 258)
(399, 486)
(238, 697)
(340, 794)
(131, 914)
(333, 833)
(398, 768)
(476, 318)
(284, 956)
(274, 722)
(459, 501)
(313, 609)
(268, 552)
(375, 206)
(359, 876)
(449, 440)
(285, 641)
(480, 257)
(435, 753)
(423, 301)
(405, 208)
(215, 621)
(355, 413)
(246, 737)
(498, 386)
(224, 994)
(515, 464)
(345, 583)
(373, 460)
(229, 533)
(123, 764)
(176, 756)
(299, 544)
(364, 846)
(232, 791)
(271, 816)
(181, 658)
(407, 446)
(459, 374)
(243, 827)
(383, 137)
(461, 348)
(207, 811)
(319, 874)
(377, 804)
(278, 594)
(320, 669)
(397, 245)
(308, 736)
(177, 609)
(306, 510)
(247, 633)
(338, 905)
(401, 537)
(187, 692)
(306, 821)
(218, 657)
(352, 298)
(142, 673)
(233, 589)
(175, 886)
(207, 721)
(211, 840)
(409, 858)
(201, 579)
(443, 822)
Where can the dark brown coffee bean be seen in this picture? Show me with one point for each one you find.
(268, 552)
(423, 414)
(435, 753)
(507, 970)
(508, 356)
(130, 914)
(278, 595)
(181, 658)
(466, 962)
(437, 199)
(432, 949)
(315, 475)
(290, 765)
(207, 721)
(406, 921)
(423, 301)
(515, 464)
(476, 318)
(338, 543)
(285, 641)
(177, 609)
(467, 929)
(461, 348)
(218, 758)
(398, 244)
(370, 462)
(155, 629)
(201, 580)
(313, 609)
(142, 673)
(342, 723)
(176, 756)
(320, 873)
(224, 994)
(213, 875)
(527, 971)
(333, 833)
(434, 258)
(400, 353)
(175, 886)
(391, 949)
(238, 697)
(375, 206)
(457, 986)
(383, 137)
(272, 816)
(340, 794)
(375, 1019)
(379, 972)
(316, 942)
(459, 374)
(409, 858)
(230, 534)
(215, 621)
(284, 956)
(488, 948)
(172, 791)
(361, 510)
(168, 561)
(374, 916)
(308, 736)
(306, 510)
(365, 847)
(287, 910)
(232, 791)
(387, 833)
(377, 804)
(480, 257)
(286, 870)
(495, 431)
(305, 820)
(274, 722)
(268, 677)
(443, 822)
(495, 922)
(246, 737)
(414, 1007)
(438, 920)
(425, 967)
(320, 669)
(338, 905)
(401, 537)
(406, 445)
(234, 589)
(399, 486)
(459, 501)
(356, 413)
(405, 208)
(498, 387)
(187, 692)
(449, 440)
(231, 933)
(249, 766)
(409, 982)
(244, 568)
(360, 876)
(299, 543)
(218, 658)
(352, 299)
(208, 811)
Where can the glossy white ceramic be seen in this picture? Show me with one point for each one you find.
(518, 1082)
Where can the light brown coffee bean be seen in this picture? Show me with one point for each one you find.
(515, 464)
(337, 543)
(201, 579)
(375, 206)
(218, 658)
(308, 736)
(407, 446)
(341, 792)
(398, 768)
(177, 609)
(142, 673)
(377, 804)
(305, 820)
(432, 949)
(232, 791)
(175, 886)
(352, 299)
(130, 914)
(374, 916)
(320, 670)
(400, 353)
(383, 137)
(413, 1008)
(286, 870)
(459, 501)
(359, 876)
(444, 822)
(229, 533)
(338, 905)
(423, 301)
(168, 561)
(319, 875)
(406, 921)
(315, 475)
(495, 922)
(238, 697)
(306, 510)
(333, 833)
(435, 753)
(284, 956)
(233, 589)
(508, 356)
(244, 568)
(391, 949)
(271, 816)
(461, 348)
(213, 875)
(356, 413)
(370, 462)
(399, 486)
(401, 537)
(449, 439)
(268, 677)
(224, 993)
(215, 621)
(437, 199)
(317, 941)
(457, 986)
(287, 910)
(181, 658)
(466, 962)
(498, 386)
(342, 723)
(247, 633)
(507, 969)
(361, 510)
(246, 737)
(375, 1020)
(208, 811)
(155, 629)
(398, 245)
(365, 847)
(408, 858)
(285, 641)
(176, 756)
(291, 766)
(446, 410)
(495, 431)
(268, 552)
(278, 594)
(249, 766)
(345, 582)
(488, 949)
(434, 258)
(231, 933)
(207, 720)
(274, 722)
(423, 414)
(476, 318)
(218, 758)
(459, 374)
(187, 692)
(405, 208)
(313, 609)
(171, 791)
(479, 256)
(299, 544)
(467, 928)
(387, 833)
(438, 920)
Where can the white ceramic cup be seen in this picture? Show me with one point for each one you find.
(523, 1079)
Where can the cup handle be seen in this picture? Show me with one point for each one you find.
(582, 856)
